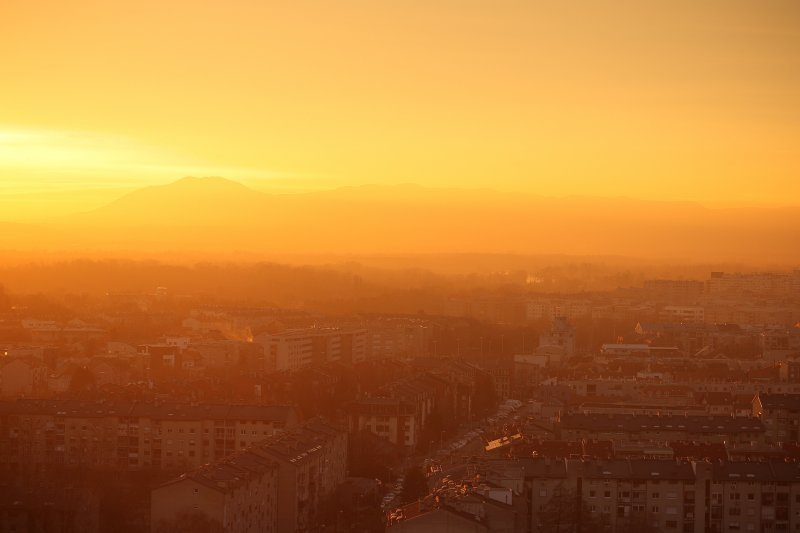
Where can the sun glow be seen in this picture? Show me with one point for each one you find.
(676, 101)
(48, 160)
(50, 172)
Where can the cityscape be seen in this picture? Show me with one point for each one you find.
(671, 406)
(431, 266)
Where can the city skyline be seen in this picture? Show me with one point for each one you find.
(419, 266)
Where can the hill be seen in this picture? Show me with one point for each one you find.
(219, 216)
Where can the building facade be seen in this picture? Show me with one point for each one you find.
(40, 434)
(238, 494)
(292, 350)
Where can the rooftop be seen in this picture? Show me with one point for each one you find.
(140, 409)
(790, 402)
(636, 423)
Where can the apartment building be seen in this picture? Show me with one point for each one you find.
(312, 462)
(649, 428)
(789, 371)
(746, 312)
(40, 434)
(239, 494)
(690, 337)
(780, 414)
(459, 381)
(780, 343)
(638, 495)
(751, 496)
(399, 411)
(43, 507)
(561, 337)
(296, 349)
(467, 511)
(641, 408)
(391, 419)
(388, 338)
(278, 484)
(672, 289)
(762, 283)
(634, 388)
(682, 314)
(550, 309)
(22, 377)
(638, 350)
(654, 495)
(502, 374)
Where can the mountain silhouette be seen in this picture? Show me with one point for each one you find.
(217, 216)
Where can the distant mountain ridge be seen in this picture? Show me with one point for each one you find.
(216, 215)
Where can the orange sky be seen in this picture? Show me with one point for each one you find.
(660, 100)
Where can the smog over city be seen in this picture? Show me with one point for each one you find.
(403, 267)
